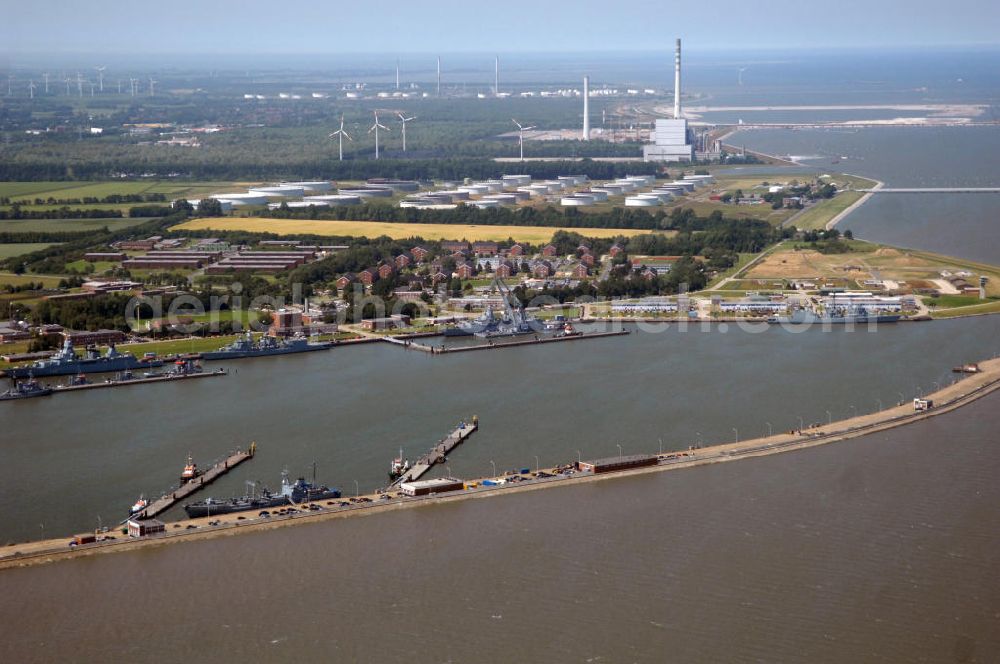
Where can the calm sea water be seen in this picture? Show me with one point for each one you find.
(350, 410)
(882, 549)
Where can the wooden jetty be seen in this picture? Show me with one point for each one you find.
(165, 378)
(439, 452)
(163, 503)
(439, 350)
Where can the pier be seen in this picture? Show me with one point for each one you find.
(165, 502)
(57, 389)
(440, 350)
(438, 453)
(931, 190)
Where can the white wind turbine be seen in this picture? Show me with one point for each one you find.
(46, 75)
(520, 135)
(79, 84)
(403, 120)
(375, 127)
(341, 134)
(100, 75)
(31, 89)
(10, 84)
(152, 86)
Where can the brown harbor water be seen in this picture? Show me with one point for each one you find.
(72, 461)
(879, 549)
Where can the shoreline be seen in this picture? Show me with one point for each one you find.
(968, 389)
(854, 206)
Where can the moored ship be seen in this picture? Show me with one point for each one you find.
(67, 363)
(856, 316)
(26, 389)
(290, 494)
(245, 346)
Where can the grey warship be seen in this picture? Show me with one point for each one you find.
(67, 363)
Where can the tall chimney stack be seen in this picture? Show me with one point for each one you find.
(586, 108)
(496, 76)
(677, 81)
(439, 75)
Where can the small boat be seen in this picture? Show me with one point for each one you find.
(568, 331)
(190, 471)
(399, 466)
(79, 379)
(139, 506)
(26, 389)
(967, 368)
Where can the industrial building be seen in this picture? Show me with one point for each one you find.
(671, 139)
(428, 487)
(618, 463)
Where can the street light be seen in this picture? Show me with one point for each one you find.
(854, 411)
(902, 399)
(661, 446)
(619, 450)
(494, 468)
(357, 489)
(802, 424)
(829, 417)
(536, 463)
(700, 441)
(578, 459)
(770, 429)
(737, 432)
(879, 402)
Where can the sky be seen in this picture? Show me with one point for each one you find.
(53, 27)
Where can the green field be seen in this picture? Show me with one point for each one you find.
(66, 225)
(20, 249)
(50, 281)
(817, 217)
(169, 188)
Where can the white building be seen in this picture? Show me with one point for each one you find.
(670, 136)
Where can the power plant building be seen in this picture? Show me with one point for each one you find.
(670, 136)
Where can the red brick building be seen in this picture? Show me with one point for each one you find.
(368, 276)
(402, 261)
(485, 248)
(549, 250)
(386, 270)
(581, 271)
(420, 253)
(465, 271)
(615, 250)
(516, 250)
(541, 270)
(587, 259)
(504, 270)
(346, 280)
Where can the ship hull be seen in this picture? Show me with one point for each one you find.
(243, 354)
(85, 367)
(26, 395)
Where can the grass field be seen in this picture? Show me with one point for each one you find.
(471, 232)
(50, 281)
(816, 217)
(20, 249)
(20, 190)
(66, 225)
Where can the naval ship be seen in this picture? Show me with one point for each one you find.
(67, 363)
(853, 316)
(290, 494)
(245, 346)
(25, 389)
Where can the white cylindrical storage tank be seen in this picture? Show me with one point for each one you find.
(611, 189)
(369, 192)
(317, 186)
(485, 203)
(576, 200)
(495, 186)
(455, 194)
(641, 201)
(626, 185)
(520, 195)
(599, 195)
(642, 179)
(688, 186)
(475, 189)
(664, 196)
(516, 180)
(554, 186)
(502, 199)
(334, 199)
(240, 199)
(279, 190)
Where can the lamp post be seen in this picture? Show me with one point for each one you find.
(357, 489)
(829, 417)
(578, 457)
(494, 468)
(902, 399)
(802, 424)
(770, 429)
(536, 463)
(619, 450)
(737, 432)
(879, 402)
(854, 411)
(700, 441)
(661, 446)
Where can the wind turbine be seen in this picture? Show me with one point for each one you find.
(340, 133)
(68, 81)
(739, 78)
(31, 89)
(119, 86)
(132, 82)
(10, 84)
(79, 84)
(520, 135)
(46, 75)
(152, 86)
(397, 73)
(375, 127)
(404, 120)
(100, 75)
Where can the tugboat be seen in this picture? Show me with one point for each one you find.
(190, 470)
(67, 363)
(245, 346)
(568, 331)
(139, 506)
(967, 368)
(398, 467)
(291, 494)
(26, 389)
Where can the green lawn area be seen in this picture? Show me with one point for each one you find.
(169, 188)
(816, 217)
(20, 249)
(66, 225)
(991, 306)
(740, 264)
(50, 281)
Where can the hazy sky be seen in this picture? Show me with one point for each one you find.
(441, 26)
